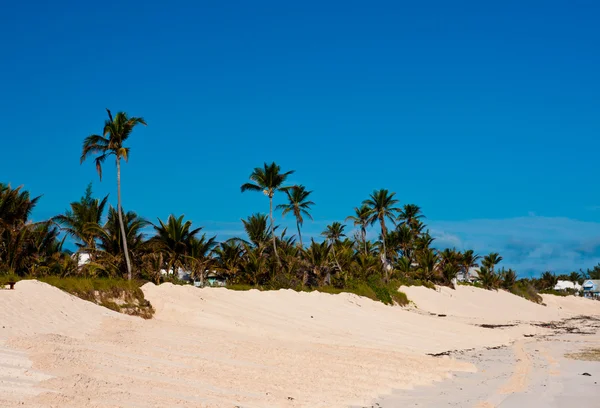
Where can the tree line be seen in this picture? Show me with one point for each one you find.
(116, 244)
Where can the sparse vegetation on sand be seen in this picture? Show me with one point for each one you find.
(591, 354)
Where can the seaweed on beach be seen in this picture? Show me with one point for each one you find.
(495, 326)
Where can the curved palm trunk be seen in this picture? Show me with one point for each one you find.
(273, 229)
(123, 236)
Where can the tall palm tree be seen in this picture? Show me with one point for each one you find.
(361, 218)
(298, 204)
(116, 132)
(381, 203)
(174, 238)
(268, 179)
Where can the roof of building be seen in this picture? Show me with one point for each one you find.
(591, 282)
(565, 284)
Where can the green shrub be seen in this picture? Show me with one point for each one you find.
(103, 291)
(527, 291)
(242, 287)
(4, 279)
(408, 281)
(563, 293)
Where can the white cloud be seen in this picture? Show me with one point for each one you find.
(530, 244)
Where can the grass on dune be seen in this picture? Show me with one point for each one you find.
(119, 295)
(374, 289)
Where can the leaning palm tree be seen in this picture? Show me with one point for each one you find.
(381, 203)
(298, 204)
(361, 218)
(116, 132)
(268, 179)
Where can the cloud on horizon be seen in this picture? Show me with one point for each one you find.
(531, 244)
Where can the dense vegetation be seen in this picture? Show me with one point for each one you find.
(111, 243)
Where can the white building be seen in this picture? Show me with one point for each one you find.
(565, 284)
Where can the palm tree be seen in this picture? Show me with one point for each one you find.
(268, 179)
(199, 255)
(490, 261)
(77, 220)
(317, 258)
(361, 219)
(15, 205)
(488, 278)
(116, 132)
(428, 261)
(469, 260)
(333, 233)
(110, 253)
(509, 278)
(298, 204)
(256, 229)
(574, 277)
(409, 214)
(228, 257)
(381, 203)
(548, 280)
(174, 239)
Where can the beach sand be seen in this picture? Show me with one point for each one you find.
(220, 348)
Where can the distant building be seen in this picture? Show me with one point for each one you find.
(591, 288)
(215, 279)
(82, 258)
(566, 285)
(471, 276)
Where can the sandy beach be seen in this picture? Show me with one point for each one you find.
(220, 348)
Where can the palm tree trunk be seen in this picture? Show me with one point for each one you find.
(336, 262)
(119, 210)
(384, 258)
(273, 229)
(299, 233)
(364, 237)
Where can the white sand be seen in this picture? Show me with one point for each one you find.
(220, 348)
(471, 304)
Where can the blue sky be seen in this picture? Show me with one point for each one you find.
(485, 115)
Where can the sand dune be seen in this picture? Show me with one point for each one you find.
(476, 305)
(221, 348)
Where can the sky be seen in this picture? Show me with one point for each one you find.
(485, 114)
